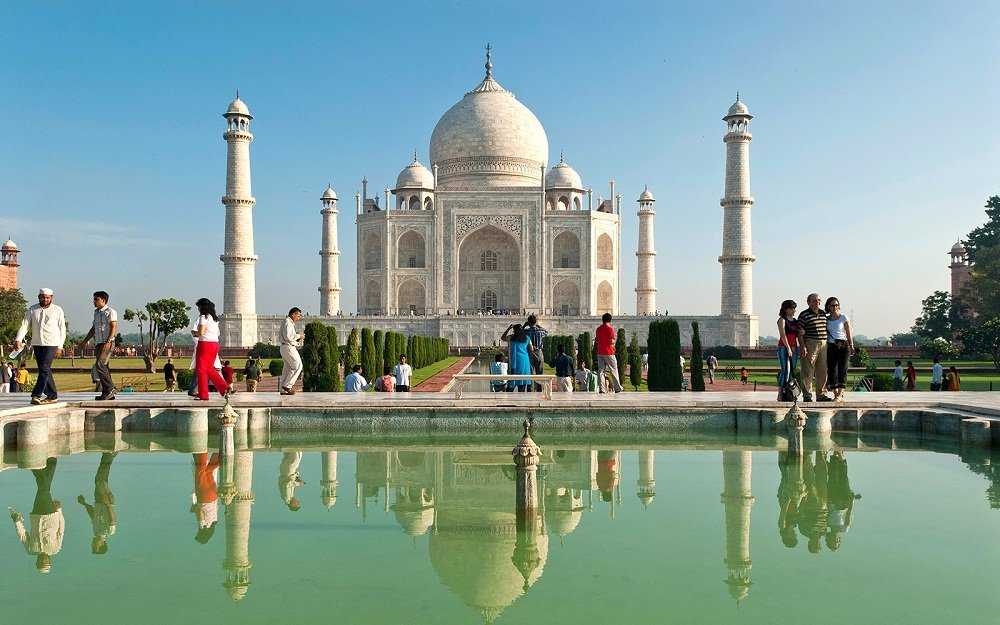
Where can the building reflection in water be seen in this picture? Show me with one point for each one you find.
(238, 500)
(738, 500)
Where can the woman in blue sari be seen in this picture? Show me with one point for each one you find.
(519, 362)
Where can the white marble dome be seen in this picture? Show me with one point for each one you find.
(738, 108)
(415, 176)
(562, 176)
(237, 107)
(647, 196)
(9, 245)
(489, 138)
(329, 194)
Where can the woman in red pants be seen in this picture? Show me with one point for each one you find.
(206, 333)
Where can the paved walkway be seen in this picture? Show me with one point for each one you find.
(437, 382)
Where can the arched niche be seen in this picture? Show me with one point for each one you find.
(410, 250)
(566, 251)
(489, 258)
(605, 252)
(372, 251)
(566, 298)
(605, 298)
(411, 297)
(373, 298)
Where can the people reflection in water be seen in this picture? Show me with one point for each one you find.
(205, 500)
(841, 500)
(791, 491)
(102, 512)
(47, 522)
(288, 479)
(814, 513)
(607, 473)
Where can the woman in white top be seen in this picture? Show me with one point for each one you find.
(839, 349)
(207, 350)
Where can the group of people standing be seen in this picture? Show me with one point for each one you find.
(824, 341)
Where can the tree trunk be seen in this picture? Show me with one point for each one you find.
(150, 362)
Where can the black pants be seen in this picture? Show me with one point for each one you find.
(43, 483)
(837, 358)
(45, 385)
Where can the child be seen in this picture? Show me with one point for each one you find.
(744, 375)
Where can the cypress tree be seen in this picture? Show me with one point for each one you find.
(390, 345)
(697, 375)
(313, 347)
(621, 354)
(635, 362)
(368, 354)
(674, 377)
(332, 376)
(352, 356)
(377, 339)
(655, 377)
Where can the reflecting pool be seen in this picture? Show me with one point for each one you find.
(704, 531)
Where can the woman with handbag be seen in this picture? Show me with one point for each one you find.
(788, 351)
(839, 348)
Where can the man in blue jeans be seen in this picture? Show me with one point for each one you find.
(48, 335)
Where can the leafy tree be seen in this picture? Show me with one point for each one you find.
(315, 356)
(938, 348)
(982, 291)
(352, 355)
(621, 353)
(987, 235)
(264, 350)
(697, 375)
(984, 339)
(634, 362)
(368, 354)
(664, 348)
(585, 347)
(941, 317)
(861, 359)
(12, 309)
(378, 341)
(904, 338)
(156, 322)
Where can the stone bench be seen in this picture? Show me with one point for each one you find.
(462, 378)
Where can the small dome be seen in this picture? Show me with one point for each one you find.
(562, 176)
(647, 196)
(958, 248)
(237, 107)
(738, 108)
(416, 176)
(9, 245)
(329, 194)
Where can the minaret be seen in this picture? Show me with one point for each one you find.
(647, 481)
(329, 273)
(645, 288)
(737, 498)
(737, 259)
(239, 300)
(8, 265)
(237, 563)
(960, 269)
(328, 492)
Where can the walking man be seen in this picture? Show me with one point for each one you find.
(48, 335)
(535, 334)
(713, 364)
(289, 338)
(812, 331)
(402, 371)
(103, 332)
(169, 376)
(606, 361)
(251, 371)
(937, 375)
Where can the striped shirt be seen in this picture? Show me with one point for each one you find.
(535, 335)
(814, 324)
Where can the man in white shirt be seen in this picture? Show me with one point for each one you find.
(355, 382)
(402, 371)
(937, 374)
(48, 335)
(47, 522)
(103, 332)
(897, 377)
(289, 479)
(289, 338)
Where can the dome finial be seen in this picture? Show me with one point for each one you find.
(737, 96)
(414, 155)
(489, 66)
(560, 156)
(237, 94)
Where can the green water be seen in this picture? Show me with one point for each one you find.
(918, 546)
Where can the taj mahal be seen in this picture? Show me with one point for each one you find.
(487, 230)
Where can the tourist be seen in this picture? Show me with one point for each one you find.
(289, 338)
(954, 382)
(289, 479)
(227, 374)
(207, 350)
(47, 522)
(582, 374)
(563, 365)
(713, 364)
(606, 476)
(169, 376)
(6, 376)
(103, 331)
(897, 376)
(21, 378)
(402, 371)
(206, 495)
(251, 373)
(937, 375)
(788, 349)
(536, 335)
(102, 513)
(498, 367)
(386, 383)
(814, 512)
(355, 382)
(840, 499)
(744, 375)
(812, 348)
(520, 363)
(789, 498)
(606, 360)
(911, 376)
(13, 376)
(839, 348)
(48, 334)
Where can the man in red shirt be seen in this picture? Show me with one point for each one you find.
(606, 361)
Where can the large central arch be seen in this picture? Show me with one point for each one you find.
(489, 259)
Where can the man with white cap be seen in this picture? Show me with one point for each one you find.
(48, 335)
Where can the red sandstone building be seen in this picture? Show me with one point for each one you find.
(8, 265)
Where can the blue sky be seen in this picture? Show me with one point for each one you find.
(875, 141)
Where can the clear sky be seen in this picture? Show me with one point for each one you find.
(876, 142)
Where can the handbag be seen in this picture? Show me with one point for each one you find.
(790, 391)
